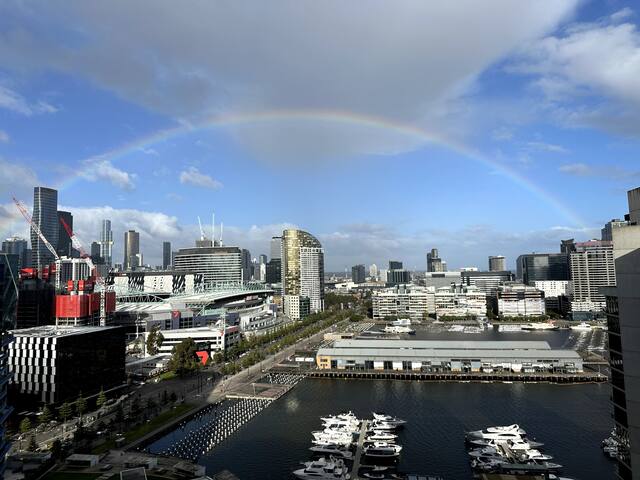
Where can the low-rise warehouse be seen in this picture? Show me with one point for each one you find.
(448, 356)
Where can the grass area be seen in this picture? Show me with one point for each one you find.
(71, 476)
(167, 376)
(145, 428)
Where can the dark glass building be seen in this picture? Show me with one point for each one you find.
(45, 215)
(542, 266)
(358, 274)
(64, 247)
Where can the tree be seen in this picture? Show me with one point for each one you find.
(45, 415)
(183, 358)
(25, 425)
(33, 446)
(81, 405)
(159, 339)
(154, 341)
(56, 449)
(102, 399)
(65, 411)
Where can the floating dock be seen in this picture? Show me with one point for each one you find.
(359, 448)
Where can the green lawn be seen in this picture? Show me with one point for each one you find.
(142, 430)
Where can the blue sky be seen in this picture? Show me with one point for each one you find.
(384, 130)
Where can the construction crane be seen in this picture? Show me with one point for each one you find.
(36, 228)
(99, 279)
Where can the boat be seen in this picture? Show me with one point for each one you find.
(382, 450)
(376, 425)
(509, 432)
(399, 329)
(520, 444)
(584, 326)
(382, 435)
(380, 417)
(323, 469)
(539, 326)
(332, 449)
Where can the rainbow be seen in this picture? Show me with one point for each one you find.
(335, 117)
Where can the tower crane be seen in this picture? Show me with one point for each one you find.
(99, 279)
(36, 228)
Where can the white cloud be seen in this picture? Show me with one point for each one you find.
(16, 178)
(391, 60)
(610, 172)
(12, 100)
(193, 176)
(4, 137)
(547, 147)
(103, 170)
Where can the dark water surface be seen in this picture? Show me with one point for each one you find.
(571, 420)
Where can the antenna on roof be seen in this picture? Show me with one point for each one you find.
(221, 230)
(213, 227)
(201, 230)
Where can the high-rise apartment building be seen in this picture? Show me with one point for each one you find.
(592, 267)
(395, 265)
(373, 271)
(166, 255)
(106, 243)
(623, 311)
(131, 249)
(45, 215)
(18, 246)
(518, 300)
(358, 274)
(497, 263)
(302, 273)
(64, 247)
(533, 267)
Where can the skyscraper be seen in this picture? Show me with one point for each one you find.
(95, 252)
(166, 255)
(592, 267)
(131, 249)
(606, 231)
(302, 273)
(18, 246)
(106, 242)
(64, 247)
(395, 265)
(246, 265)
(358, 274)
(497, 263)
(434, 262)
(276, 247)
(373, 271)
(623, 311)
(45, 215)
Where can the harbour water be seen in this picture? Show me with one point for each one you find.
(571, 420)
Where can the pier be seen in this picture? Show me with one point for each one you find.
(538, 377)
(359, 447)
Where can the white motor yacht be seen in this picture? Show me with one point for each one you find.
(581, 326)
(382, 450)
(323, 469)
(376, 425)
(380, 417)
(508, 428)
(332, 449)
(382, 435)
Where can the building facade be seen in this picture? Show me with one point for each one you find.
(218, 265)
(55, 364)
(45, 215)
(358, 274)
(487, 282)
(518, 300)
(131, 249)
(166, 255)
(497, 263)
(302, 273)
(20, 247)
(210, 338)
(460, 301)
(434, 262)
(623, 311)
(556, 294)
(106, 243)
(64, 247)
(403, 301)
(447, 356)
(542, 266)
(592, 267)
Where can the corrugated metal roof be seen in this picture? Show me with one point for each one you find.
(390, 353)
(443, 344)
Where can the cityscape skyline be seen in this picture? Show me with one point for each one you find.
(553, 136)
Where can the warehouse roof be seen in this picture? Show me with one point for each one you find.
(453, 353)
(442, 344)
(57, 331)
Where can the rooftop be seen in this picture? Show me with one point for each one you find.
(55, 331)
(443, 344)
